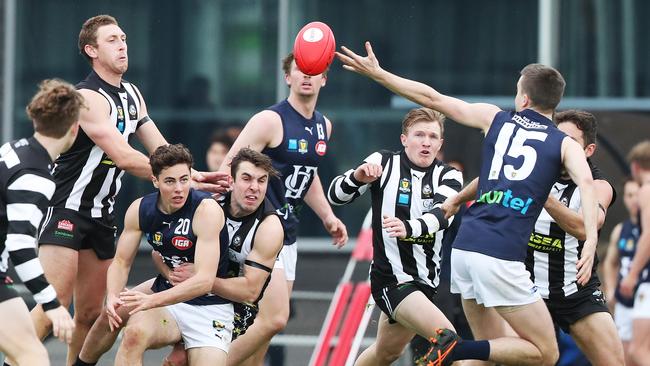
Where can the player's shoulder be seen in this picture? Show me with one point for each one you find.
(265, 118)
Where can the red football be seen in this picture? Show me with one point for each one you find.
(314, 48)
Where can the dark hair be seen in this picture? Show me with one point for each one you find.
(88, 33)
(422, 115)
(167, 156)
(286, 64)
(221, 137)
(256, 158)
(640, 154)
(585, 121)
(55, 107)
(544, 86)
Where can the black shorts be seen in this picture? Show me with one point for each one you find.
(244, 316)
(68, 228)
(7, 292)
(568, 310)
(389, 297)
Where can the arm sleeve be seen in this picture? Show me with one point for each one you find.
(451, 182)
(345, 188)
(28, 196)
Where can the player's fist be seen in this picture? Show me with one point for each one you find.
(368, 173)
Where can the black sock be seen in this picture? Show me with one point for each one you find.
(78, 362)
(471, 350)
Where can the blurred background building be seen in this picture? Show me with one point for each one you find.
(203, 65)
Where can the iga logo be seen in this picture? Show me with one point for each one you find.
(321, 148)
(181, 243)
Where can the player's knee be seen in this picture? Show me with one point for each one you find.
(387, 355)
(278, 322)
(36, 355)
(637, 351)
(85, 317)
(134, 337)
(550, 357)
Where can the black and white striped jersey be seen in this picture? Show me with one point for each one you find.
(26, 187)
(87, 180)
(553, 253)
(414, 195)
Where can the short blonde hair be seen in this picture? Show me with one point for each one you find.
(422, 115)
(640, 154)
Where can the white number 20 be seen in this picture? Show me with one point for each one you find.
(514, 149)
(183, 227)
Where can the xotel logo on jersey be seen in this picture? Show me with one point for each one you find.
(181, 243)
(506, 199)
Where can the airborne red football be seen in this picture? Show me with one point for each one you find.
(314, 48)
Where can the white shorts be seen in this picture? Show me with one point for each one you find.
(491, 281)
(642, 302)
(623, 320)
(204, 325)
(287, 260)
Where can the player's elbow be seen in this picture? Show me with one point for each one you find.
(251, 295)
(204, 283)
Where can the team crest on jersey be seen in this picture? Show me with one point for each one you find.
(565, 201)
(629, 245)
(302, 146)
(426, 191)
(405, 185)
(65, 225)
(132, 111)
(236, 243)
(181, 243)
(428, 204)
(157, 238)
(321, 148)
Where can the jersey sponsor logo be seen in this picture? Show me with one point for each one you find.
(506, 199)
(302, 146)
(545, 243)
(527, 123)
(292, 145)
(321, 148)
(181, 243)
(66, 225)
(120, 119)
(296, 182)
(405, 185)
(157, 238)
(428, 204)
(310, 130)
(426, 239)
(403, 199)
(626, 244)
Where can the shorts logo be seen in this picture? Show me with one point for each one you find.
(302, 146)
(292, 145)
(218, 328)
(321, 148)
(181, 243)
(157, 238)
(65, 225)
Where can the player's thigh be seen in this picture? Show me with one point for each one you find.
(90, 289)
(603, 349)
(533, 323)
(641, 333)
(17, 333)
(419, 314)
(155, 327)
(206, 356)
(392, 337)
(60, 265)
(486, 323)
(275, 302)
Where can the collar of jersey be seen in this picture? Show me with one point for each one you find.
(106, 85)
(535, 116)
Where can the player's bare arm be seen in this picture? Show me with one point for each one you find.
(573, 158)
(611, 263)
(316, 200)
(452, 204)
(643, 244)
(264, 129)
(477, 115)
(571, 221)
(118, 271)
(99, 128)
(207, 223)
(267, 245)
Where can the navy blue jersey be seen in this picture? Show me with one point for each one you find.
(626, 245)
(521, 161)
(172, 237)
(303, 146)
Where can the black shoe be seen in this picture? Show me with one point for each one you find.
(441, 346)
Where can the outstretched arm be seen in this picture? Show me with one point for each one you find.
(451, 206)
(573, 158)
(478, 115)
